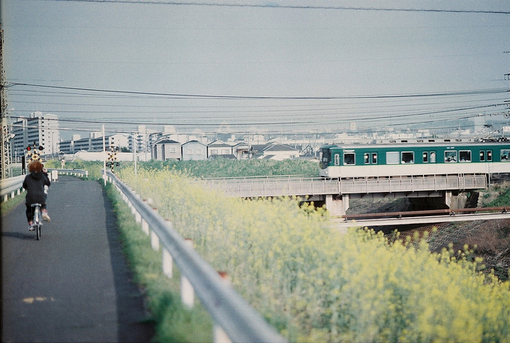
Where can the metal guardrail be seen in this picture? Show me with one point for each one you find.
(228, 309)
(288, 186)
(73, 172)
(13, 185)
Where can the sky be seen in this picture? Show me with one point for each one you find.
(256, 66)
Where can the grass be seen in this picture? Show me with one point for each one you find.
(9, 205)
(172, 320)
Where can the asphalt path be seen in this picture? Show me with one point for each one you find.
(73, 285)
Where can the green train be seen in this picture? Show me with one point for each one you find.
(408, 159)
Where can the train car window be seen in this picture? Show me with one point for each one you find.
(392, 157)
(366, 158)
(465, 155)
(505, 155)
(337, 159)
(450, 156)
(349, 158)
(482, 155)
(432, 157)
(408, 157)
(425, 157)
(489, 155)
(374, 158)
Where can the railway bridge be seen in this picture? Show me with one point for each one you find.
(446, 190)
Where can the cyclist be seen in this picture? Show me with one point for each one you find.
(34, 184)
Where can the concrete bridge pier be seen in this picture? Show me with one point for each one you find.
(455, 200)
(337, 205)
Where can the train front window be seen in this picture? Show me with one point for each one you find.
(349, 158)
(465, 155)
(450, 156)
(407, 157)
(324, 158)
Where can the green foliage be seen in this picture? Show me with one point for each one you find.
(235, 168)
(52, 164)
(173, 322)
(315, 284)
(502, 200)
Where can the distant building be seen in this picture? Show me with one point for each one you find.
(220, 149)
(279, 152)
(41, 129)
(194, 151)
(242, 151)
(166, 149)
(93, 143)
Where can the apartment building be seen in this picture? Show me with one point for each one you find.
(41, 129)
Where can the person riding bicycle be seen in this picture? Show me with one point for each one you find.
(34, 184)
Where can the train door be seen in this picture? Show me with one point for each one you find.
(370, 157)
(485, 155)
(429, 157)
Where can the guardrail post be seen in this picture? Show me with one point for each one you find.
(167, 258)
(138, 217)
(145, 227)
(168, 263)
(154, 241)
(219, 335)
(187, 291)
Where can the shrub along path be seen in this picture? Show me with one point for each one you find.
(72, 285)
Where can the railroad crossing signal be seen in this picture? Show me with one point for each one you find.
(33, 154)
(112, 159)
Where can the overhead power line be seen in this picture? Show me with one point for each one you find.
(299, 7)
(263, 97)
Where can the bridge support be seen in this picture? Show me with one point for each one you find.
(455, 201)
(337, 205)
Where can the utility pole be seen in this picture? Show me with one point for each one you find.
(6, 132)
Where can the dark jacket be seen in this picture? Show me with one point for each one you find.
(34, 184)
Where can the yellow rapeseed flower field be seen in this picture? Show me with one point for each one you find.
(315, 284)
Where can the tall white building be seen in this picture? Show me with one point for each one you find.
(41, 129)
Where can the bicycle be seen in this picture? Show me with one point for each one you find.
(37, 220)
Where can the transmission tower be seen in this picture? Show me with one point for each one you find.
(6, 134)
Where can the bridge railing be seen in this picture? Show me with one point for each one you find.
(229, 310)
(289, 186)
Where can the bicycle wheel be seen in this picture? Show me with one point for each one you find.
(38, 232)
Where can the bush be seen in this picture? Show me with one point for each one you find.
(315, 284)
